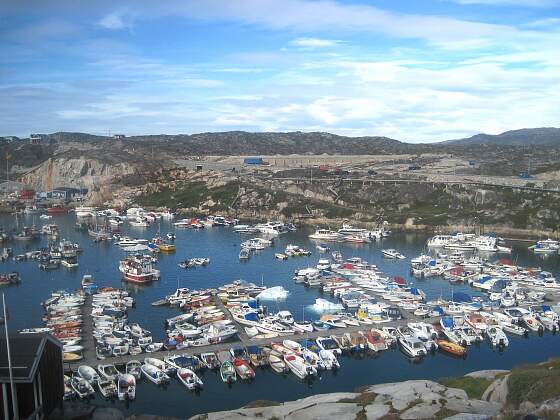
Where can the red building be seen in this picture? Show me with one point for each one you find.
(27, 194)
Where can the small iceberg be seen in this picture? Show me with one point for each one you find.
(273, 293)
(322, 306)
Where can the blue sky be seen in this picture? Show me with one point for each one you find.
(415, 70)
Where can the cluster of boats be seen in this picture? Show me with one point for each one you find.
(63, 319)
(349, 233)
(194, 262)
(468, 242)
(205, 222)
(547, 246)
(292, 251)
(108, 381)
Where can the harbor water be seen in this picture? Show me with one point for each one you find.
(221, 245)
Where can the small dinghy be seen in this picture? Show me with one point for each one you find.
(126, 387)
(108, 372)
(189, 379)
(88, 373)
(81, 387)
(152, 348)
(277, 363)
(107, 388)
(133, 368)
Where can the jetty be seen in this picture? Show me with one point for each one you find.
(242, 340)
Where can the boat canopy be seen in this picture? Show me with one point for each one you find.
(499, 285)
(438, 309)
(254, 350)
(252, 316)
(447, 322)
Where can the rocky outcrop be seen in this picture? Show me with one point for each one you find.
(420, 399)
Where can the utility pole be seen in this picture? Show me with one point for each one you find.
(8, 157)
(12, 386)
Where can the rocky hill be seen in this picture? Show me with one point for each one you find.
(548, 136)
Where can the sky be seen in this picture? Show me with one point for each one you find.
(414, 70)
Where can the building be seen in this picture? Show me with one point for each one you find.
(253, 161)
(27, 194)
(68, 193)
(119, 136)
(37, 374)
(36, 138)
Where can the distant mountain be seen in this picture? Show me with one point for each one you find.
(547, 136)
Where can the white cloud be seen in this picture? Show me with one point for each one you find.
(115, 21)
(314, 42)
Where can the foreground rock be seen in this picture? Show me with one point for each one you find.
(406, 400)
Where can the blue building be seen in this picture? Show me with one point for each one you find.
(253, 161)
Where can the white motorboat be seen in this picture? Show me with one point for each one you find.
(325, 235)
(392, 254)
(189, 379)
(126, 387)
(276, 362)
(327, 343)
(497, 337)
(328, 359)
(133, 368)
(154, 374)
(413, 347)
(298, 366)
(303, 326)
(160, 364)
(88, 373)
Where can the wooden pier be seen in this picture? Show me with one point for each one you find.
(242, 339)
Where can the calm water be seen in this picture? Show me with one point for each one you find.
(221, 245)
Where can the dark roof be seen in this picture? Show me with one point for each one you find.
(25, 350)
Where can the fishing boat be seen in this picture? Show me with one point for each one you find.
(81, 387)
(166, 248)
(107, 388)
(138, 270)
(133, 368)
(108, 371)
(126, 387)
(210, 360)
(227, 372)
(190, 379)
(452, 348)
(243, 369)
(154, 374)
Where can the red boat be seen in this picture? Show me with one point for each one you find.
(138, 270)
(244, 371)
(57, 210)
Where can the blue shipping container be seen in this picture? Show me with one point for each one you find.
(253, 161)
